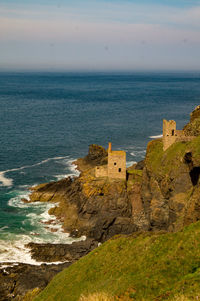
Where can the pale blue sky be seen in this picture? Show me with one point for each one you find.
(100, 35)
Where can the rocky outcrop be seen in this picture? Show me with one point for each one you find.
(96, 207)
(193, 127)
(61, 252)
(170, 185)
(16, 280)
(161, 192)
(97, 155)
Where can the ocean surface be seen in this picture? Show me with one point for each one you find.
(47, 120)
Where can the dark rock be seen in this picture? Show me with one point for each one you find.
(97, 155)
(140, 165)
(17, 280)
(195, 114)
(193, 127)
(61, 252)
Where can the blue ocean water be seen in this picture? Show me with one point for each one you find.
(49, 119)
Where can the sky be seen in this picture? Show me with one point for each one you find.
(92, 35)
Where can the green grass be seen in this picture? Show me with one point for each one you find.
(141, 267)
(195, 148)
(162, 163)
(136, 172)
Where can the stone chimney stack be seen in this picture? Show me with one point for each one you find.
(109, 147)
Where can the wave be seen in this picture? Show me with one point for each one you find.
(7, 182)
(43, 228)
(38, 217)
(3, 228)
(38, 226)
(17, 252)
(156, 137)
(136, 153)
(130, 163)
(71, 167)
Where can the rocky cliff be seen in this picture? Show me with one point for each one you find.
(162, 192)
(96, 207)
(170, 185)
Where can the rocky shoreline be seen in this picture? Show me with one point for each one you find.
(16, 279)
(159, 194)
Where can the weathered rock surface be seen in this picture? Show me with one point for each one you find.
(97, 155)
(170, 186)
(161, 192)
(98, 208)
(193, 127)
(61, 252)
(16, 280)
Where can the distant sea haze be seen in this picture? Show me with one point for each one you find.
(47, 120)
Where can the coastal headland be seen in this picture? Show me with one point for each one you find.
(160, 193)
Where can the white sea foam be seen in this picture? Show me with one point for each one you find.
(72, 167)
(60, 177)
(156, 137)
(13, 249)
(5, 181)
(3, 228)
(17, 202)
(16, 252)
(8, 182)
(136, 153)
(130, 163)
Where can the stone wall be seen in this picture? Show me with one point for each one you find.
(184, 138)
(116, 168)
(169, 133)
(172, 135)
(117, 165)
(101, 171)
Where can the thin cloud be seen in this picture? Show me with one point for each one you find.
(125, 12)
(64, 30)
(108, 35)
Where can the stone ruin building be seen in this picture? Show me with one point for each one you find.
(172, 135)
(116, 167)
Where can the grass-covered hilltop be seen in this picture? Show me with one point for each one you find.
(147, 225)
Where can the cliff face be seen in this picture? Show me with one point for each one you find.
(193, 127)
(161, 193)
(97, 208)
(170, 185)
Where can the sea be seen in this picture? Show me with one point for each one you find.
(49, 119)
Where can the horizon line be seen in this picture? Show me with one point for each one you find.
(51, 70)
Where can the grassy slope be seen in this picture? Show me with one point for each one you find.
(143, 267)
(161, 163)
